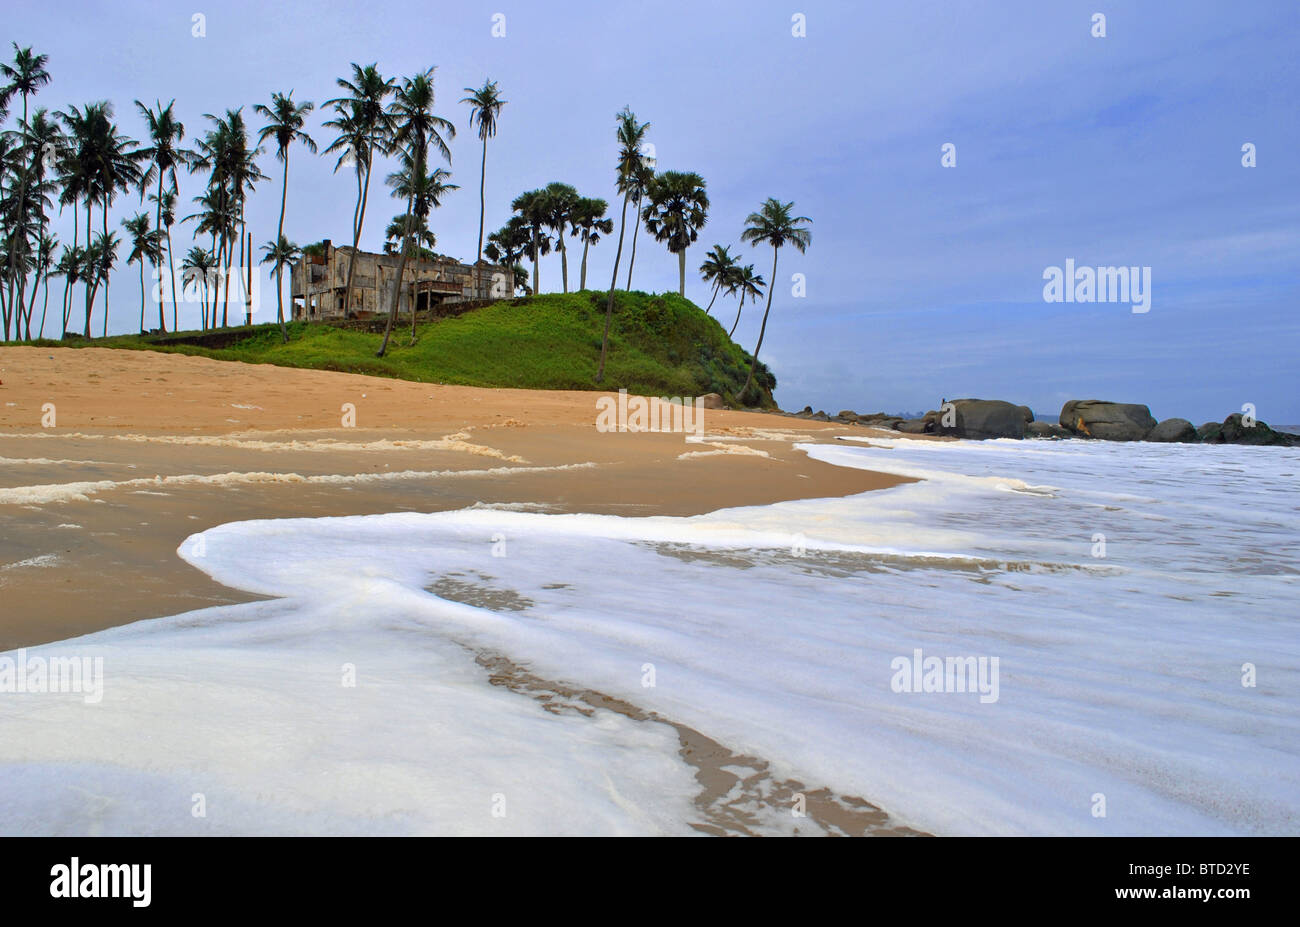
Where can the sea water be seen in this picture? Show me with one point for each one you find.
(1136, 604)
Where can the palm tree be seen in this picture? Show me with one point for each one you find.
(280, 253)
(217, 218)
(748, 284)
(286, 122)
(677, 209)
(103, 258)
(44, 267)
(560, 198)
(415, 128)
(589, 223)
(365, 128)
(25, 77)
(506, 246)
(165, 204)
(424, 193)
(630, 134)
(146, 245)
(485, 107)
(197, 270)
(534, 213)
(225, 152)
(773, 225)
(69, 268)
(718, 267)
(639, 183)
(164, 154)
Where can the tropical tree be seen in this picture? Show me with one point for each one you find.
(285, 125)
(630, 134)
(365, 127)
(505, 247)
(164, 155)
(103, 258)
(639, 183)
(749, 285)
(281, 253)
(719, 269)
(589, 223)
(69, 267)
(424, 193)
(415, 130)
(773, 225)
(485, 108)
(146, 245)
(534, 212)
(165, 207)
(44, 267)
(196, 271)
(676, 209)
(560, 199)
(24, 77)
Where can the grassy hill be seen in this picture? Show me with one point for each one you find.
(660, 345)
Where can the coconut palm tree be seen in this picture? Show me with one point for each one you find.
(718, 268)
(559, 199)
(280, 253)
(415, 130)
(146, 245)
(165, 205)
(535, 213)
(589, 223)
(365, 128)
(424, 193)
(25, 77)
(748, 284)
(506, 246)
(286, 122)
(773, 225)
(631, 135)
(640, 183)
(69, 267)
(217, 218)
(196, 270)
(677, 208)
(103, 258)
(44, 267)
(164, 155)
(485, 108)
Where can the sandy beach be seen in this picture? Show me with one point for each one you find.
(148, 448)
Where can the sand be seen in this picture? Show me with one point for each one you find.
(145, 449)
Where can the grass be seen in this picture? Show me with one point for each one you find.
(660, 345)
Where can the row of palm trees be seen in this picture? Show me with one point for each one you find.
(81, 159)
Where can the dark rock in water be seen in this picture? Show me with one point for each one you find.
(1173, 430)
(915, 426)
(1046, 430)
(982, 418)
(1109, 421)
(1234, 430)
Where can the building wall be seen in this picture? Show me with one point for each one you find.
(317, 289)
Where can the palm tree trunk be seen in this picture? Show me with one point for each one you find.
(67, 306)
(171, 265)
(91, 275)
(609, 307)
(582, 279)
(45, 305)
(356, 238)
(397, 283)
(536, 276)
(763, 328)
(142, 295)
(681, 273)
(107, 270)
(636, 227)
(22, 218)
(717, 286)
(482, 202)
(157, 225)
(564, 260)
(279, 265)
(738, 309)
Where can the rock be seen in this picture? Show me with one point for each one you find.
(1234, 430)
(848, 415)
(1046, 430)
(1173, 430)
(915, 426)
(982, 418)
(1109, 421)
(1027, 412)
(712, 401)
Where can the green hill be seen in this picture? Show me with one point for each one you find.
(660, 345)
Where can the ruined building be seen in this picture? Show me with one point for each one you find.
(318, 283)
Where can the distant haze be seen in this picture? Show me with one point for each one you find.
(923, 282)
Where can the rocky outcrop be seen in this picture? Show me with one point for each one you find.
(1046, 430)
(981, 419)
(712, 401)
(1173, 431)
(1235, 430)
(1109, 421)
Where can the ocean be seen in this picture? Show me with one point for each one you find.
(1038, 637)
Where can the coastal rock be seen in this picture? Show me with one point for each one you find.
(915, 426)
(712, 401)
(848, 415)
(1173, 430)
(1234, 430)
(1109, 421)
(983, 418)
(1046, 430)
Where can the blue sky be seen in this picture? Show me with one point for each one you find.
(923, 282)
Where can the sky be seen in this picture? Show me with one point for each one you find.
(923, 281)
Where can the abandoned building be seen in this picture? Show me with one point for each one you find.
(318, 283)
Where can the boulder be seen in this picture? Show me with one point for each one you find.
(848, 415)
(1234, 430)
(1173, 430)
(983, 418)
(820, 417)
(915, 426)
(712, 401)
(1046, 430)
(1109, 421)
